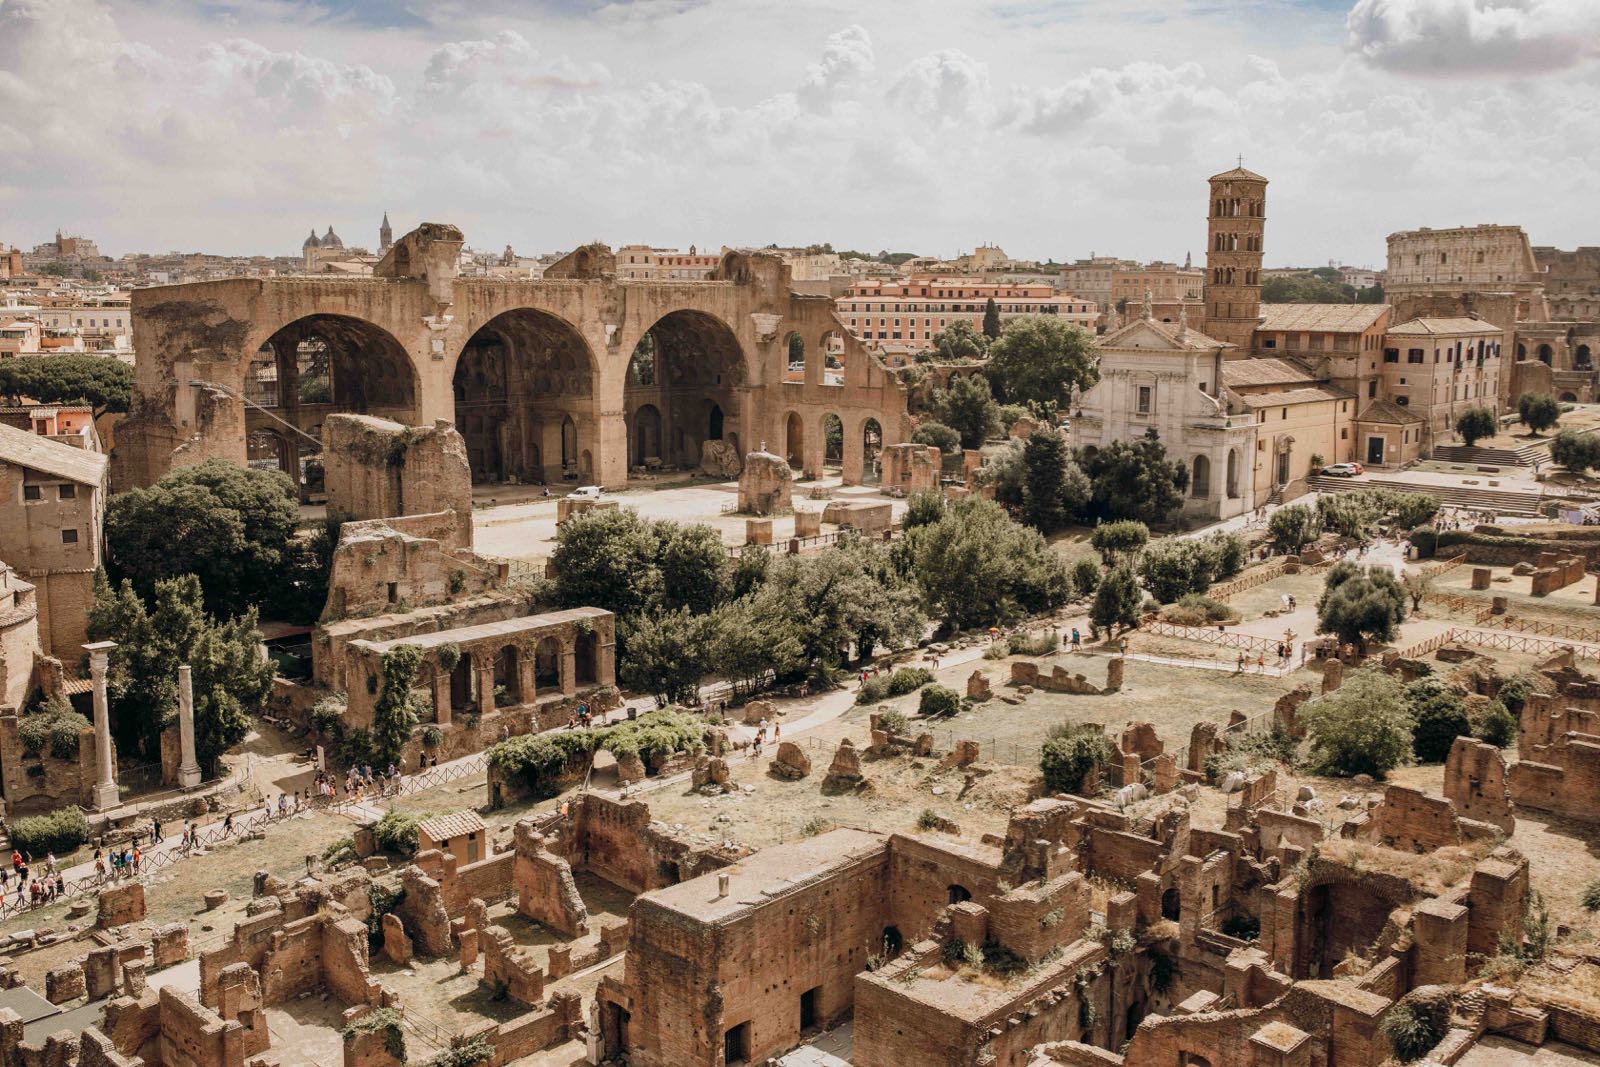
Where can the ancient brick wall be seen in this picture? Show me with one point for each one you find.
(921, 874)
(194, 1036)
(292, 963)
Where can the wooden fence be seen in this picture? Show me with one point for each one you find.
(1225, 638)
(1249, 579)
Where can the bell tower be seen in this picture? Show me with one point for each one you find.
(1235, 225)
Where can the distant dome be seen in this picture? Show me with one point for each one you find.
(312, 242)
(331, 239)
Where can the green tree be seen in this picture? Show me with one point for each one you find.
(923, 508)
(969, 408)
(1538, 411)
(1575, 451)
(1475, 424)
(991, 320)
(1071, 756)
(1055, 489)
(1042, 359)
(231, 681)
(1135, 480)
(606, 559)
(1361, 604)
(231, 527)
(1306, 289)
(959, 343)
(693, 566)
(938, 435)
(105, 383)
(1173, 567)
(750, 572)
(670, 654)
(1116, 602)
(797, 348)
(1119, 540)
(1439, 716)
(755, 636)
(975, 567)
(850, 595)
(1360, 728)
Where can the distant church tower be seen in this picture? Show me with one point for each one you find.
(385, 235)
(1235, 227)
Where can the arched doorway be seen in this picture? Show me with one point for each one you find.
(267, 451)
(893, 942)
(569, 448)
(956, 893)
(794, 437)
(1171, 904)
(547, 665)
(1522, 351)
(1545, 354)
(646, 436)
(831, 348)
(832, 440)
(518, 379)
(321, 364)
(1233, 474)
(691, 368)
(795, 346)
(1200, 480)
(1569, 398)
(505, 677)
(1582, 359)
(871, 448)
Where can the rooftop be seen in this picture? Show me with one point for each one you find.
(1388, 413)
(1264, 370)
(465, 634)
(21, 448)
(1321, 318)
(456, 824)
(1310, 394)
(769, 874)
(1439, 327)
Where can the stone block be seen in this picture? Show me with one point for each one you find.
(169, 945)
(807, 522)
(758, 531)
(120, 905)
(64, 984)
(766, 488)
(978, 686)
(1481, 577)
(215, 898)
(396, 945)
(791, 761)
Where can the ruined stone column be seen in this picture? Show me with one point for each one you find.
(105, 790)
(189, 769)
(485, 688)
(441, 696)
(569, 669)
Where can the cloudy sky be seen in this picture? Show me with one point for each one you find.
(1054, 128)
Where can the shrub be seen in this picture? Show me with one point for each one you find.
(341, 851)
(1085, 576)
(1425, 539)
(60, 832)
(814, 826)
(937, 701)
(928, 820)
(52, 727)
(396, 832)
(1227, 554)
(1591, 896)
(1497, 726)
(432, 736)
(874, 690)
(1292, 528)
(480, 1050)
(1575, 451)
(327, 717)
(385, 1021)
(1412, 1029)
(1196, 609)
(895, 722)
(1071, 755)
(1515, 691)
(1438, 720)
(940, 436)
(1040, 644)
(908, 680)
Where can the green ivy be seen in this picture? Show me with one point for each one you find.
(394, 715)
(385, 1021)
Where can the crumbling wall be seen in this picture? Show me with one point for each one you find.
(379, 469)
(545, 888)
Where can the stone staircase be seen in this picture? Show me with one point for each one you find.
(1523, 456)
(1520, 503)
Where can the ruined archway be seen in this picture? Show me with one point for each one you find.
(266, 450)
(697, 375)
(871, 447)
(832, 440)
(313, 367)
(1581, 358)
(1200, 480)
(795, 346)
(1546, 354)
(1233, 474)
(794, 436)
(516, 384)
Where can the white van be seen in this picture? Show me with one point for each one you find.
(585, 492)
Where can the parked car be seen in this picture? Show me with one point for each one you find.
(1343, 470)
(585, 492)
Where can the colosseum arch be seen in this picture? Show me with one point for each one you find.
(699, 379)
(518, 379)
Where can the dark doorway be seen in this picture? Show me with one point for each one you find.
(715, 424)
(808, 1008)
(958, 893)
(892, 942)
(1171, 908)
(1375, 450)
(614, 1031)
(736, 1044)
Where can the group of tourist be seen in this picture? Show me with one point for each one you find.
(32, 889)
(1457, 518)
(581, 719)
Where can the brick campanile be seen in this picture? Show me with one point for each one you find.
(1236, 225)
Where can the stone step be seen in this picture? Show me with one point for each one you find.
(1502, 501)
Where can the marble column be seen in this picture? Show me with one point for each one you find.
(189, 769)
(105, 790)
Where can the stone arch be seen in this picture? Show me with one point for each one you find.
(830, 349)
(1233, 474)
(832, 440)
(794, 440)
(1172, 904)
(701, 373)
(1546, 354)
(547, 664)
(893, 942)
(1200, 478)
(646, 436)
(1568, 398)
(463, 685)
(795, 357)
(586, 658)
(505, 676)
(1522, 351)
(267, 450)
(515, 383)
(956, 893)
(1582, 358)
(871, 449)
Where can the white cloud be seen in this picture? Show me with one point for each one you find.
(749, 121)
(1467, 37)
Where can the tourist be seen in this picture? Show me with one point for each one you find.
(155, 831)
(49, 863)
(137, 859)
(1261, 662)
(1077, 639)
(61, 886)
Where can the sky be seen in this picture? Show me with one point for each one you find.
(1054, 128)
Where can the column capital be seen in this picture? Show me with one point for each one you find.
(99, 652)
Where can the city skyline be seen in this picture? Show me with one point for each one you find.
(548, 125)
